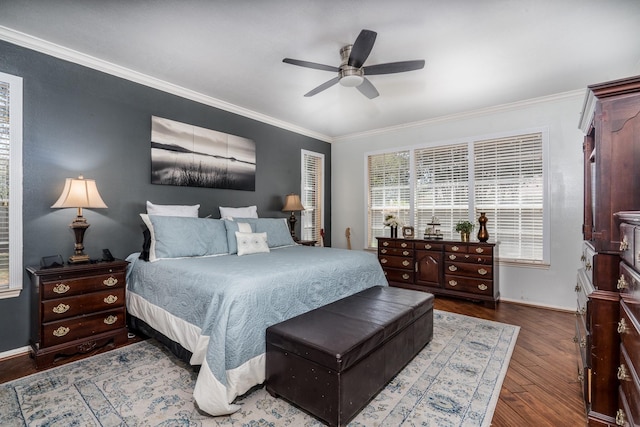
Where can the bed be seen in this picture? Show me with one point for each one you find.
(217, 303)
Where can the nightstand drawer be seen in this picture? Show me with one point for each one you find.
(75, 286)
(61, 308)
(472, 270)
(465, 284)
(63, 331)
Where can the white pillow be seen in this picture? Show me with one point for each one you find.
(245, 212)
(172, 210)
(251, 243)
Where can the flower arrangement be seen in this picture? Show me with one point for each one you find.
(390, 220)
(464, 227)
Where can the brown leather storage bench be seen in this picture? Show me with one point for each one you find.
(332, 360)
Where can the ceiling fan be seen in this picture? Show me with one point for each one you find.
(352, 72)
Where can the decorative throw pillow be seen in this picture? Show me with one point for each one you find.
(251, 243)
(173, 210)
(232, 227)
(245, 212)
(277, 229)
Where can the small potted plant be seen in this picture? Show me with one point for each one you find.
(464, 228)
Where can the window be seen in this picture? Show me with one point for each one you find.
(10, 185)
(503, 177)
(312, 195)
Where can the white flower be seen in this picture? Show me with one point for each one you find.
(390, 220)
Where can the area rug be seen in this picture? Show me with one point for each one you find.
(454, 381)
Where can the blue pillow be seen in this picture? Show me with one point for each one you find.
(232, 227)
(179, 237)
(277, 230)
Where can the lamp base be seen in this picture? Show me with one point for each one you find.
(79, 226)
(79, 258)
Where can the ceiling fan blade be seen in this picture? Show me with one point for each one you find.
(308, 64)
(394, 67)
(367, 89)
(362, 48)
(323, 86)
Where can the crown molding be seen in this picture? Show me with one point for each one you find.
(61, 52)
(466, 114)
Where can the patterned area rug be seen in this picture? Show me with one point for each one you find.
(454, 381)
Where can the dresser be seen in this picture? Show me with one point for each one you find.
(76, 309)
(611, 150)
(628, 328)
(457, 269)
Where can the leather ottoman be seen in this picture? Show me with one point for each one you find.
(333, 360)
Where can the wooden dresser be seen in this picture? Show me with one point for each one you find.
(457, 269)
(628, 371)
(611, 148)
(77, 308)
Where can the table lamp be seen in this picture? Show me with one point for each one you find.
(292, 204)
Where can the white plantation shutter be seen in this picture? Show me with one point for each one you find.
(441, 187)
(509, 187)
(389, 191)
(311, 195)
(10, 185)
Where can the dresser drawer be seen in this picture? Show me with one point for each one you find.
(75, 286)
(428, 246)
(472, 258)
(456, 247)
(396, 262)
(467, 284)
(73, 328)
(472, 270)
(628, 243)
(629, 280)
(397, 243)
(402, 276)
(61, 308)
(405, 252)
(629, 385)
(629, 334)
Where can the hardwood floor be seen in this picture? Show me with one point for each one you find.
(541, 387)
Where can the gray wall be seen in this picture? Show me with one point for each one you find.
(81, 121)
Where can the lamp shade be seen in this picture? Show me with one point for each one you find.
(79, 193)
(292, 203)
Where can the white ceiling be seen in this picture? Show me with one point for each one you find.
(479, 53)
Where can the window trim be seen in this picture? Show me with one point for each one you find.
(15, 186)
(546, 219)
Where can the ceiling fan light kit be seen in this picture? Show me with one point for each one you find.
(352, 72)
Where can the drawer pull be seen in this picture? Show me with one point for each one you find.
(383, 261)
(622, 327)
(622, 283)
(581, 377)
(483, 287)
(110, 299)
(455, 248)
(482, 271)
(61, 288)
(624, 245)
(403, 245)
(405, 263)
(622, 374)
(479, 250)
(405, 253)
(111, 281)
(427, 246)
(453, 268)
(61, 331)
(385, 243)
(61, 308)
(110, 320)
(587, 266)
(383, 251)
(583, 258)
(405, 276)
(452, 257)
(621, 420)
(578, 288)
(453, 283)
(583, 311)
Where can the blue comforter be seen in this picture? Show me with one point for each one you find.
(232, 299)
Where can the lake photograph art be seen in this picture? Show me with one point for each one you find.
(192, 156)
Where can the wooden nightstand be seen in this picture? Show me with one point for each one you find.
(307, 242)
(76, 309)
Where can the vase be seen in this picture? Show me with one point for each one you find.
(394, 232)
(483, 234)
(464, 236)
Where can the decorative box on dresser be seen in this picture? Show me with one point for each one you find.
(77, 308)
(628, 372)
(457, 269)
(611, 124)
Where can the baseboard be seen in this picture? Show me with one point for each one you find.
(538, 305)
(15, 352)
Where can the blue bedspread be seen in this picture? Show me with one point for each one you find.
(233, 299)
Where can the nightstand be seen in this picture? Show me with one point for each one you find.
(77, 308)
(307, 242)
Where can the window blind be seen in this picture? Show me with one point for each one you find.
(508, 186)
(312, 195)
(441, 188)
(389, 191)
(5, 144)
